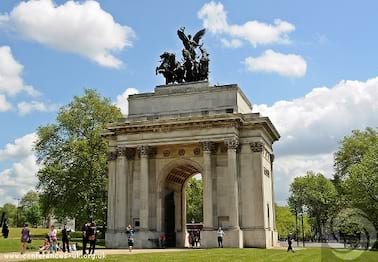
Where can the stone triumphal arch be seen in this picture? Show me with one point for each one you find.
(179, 131)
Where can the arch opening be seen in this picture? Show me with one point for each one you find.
(175, 210)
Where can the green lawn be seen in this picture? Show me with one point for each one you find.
(15, 232)
(230, 254)
(13, 244)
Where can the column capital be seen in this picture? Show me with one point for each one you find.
(146, 151)
(112, 155)
(208, 146)
(121, 151)
(256, 146)
(232, 143)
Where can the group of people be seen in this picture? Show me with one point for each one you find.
(194, 238)
(50, 243)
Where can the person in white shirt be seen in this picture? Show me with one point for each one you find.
(220, 234)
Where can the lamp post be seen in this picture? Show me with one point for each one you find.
(18, 204)
(296, 224)
(303, 235)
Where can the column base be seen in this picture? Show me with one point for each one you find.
(142, 239)
(260, 237)
(232, 238)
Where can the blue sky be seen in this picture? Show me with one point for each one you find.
(310, 66)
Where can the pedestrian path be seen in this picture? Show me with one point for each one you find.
(100, 253)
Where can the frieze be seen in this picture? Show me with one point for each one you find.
(181, 152)
(197, 151)
(166, 153)
(135, 129)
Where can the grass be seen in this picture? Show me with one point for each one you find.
(250, 254)
(13, 243)
(15, 232)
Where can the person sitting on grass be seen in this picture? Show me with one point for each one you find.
(46, 246)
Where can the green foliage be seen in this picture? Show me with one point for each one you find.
(10, 212)
(74, 158)
(194, 200)
(33, 215)
(362, 184)
(315, 195)
(356, 165)
(352, 150)
(285, 223)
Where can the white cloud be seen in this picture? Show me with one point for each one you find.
(122, 102)
(286, 168)
(284, 64)
(214, 19)
(233, 43)
(25, 108)
(21, 176)
(82, 28)
(11, 81)
(4, 104)
(312, 126)
(20, 148)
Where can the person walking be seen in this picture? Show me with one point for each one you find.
(290, 242)
(220, 234)
(92, 236)
(25, 238)
(84, 230)
(53, 239)
(66, 238)
(130, 237)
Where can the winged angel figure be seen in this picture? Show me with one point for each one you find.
(190, 44)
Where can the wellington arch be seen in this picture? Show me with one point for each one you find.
(173, 133)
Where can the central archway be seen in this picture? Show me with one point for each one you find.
(173, 183)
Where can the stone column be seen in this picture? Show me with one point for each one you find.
(258, 167)
(232, 146)
(144, 170)
(112, 156)
(130, 155)
(120, 210)
(273, 200)
(208, 216)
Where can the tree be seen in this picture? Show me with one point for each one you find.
(33, 214)
(11, 213)
(194, 200)
(318, 195)
(73, 155)
(352, 150)
(356, 165)
(29, 199)
(285, 222)
(29, 210)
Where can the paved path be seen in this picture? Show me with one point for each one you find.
(100, 253)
